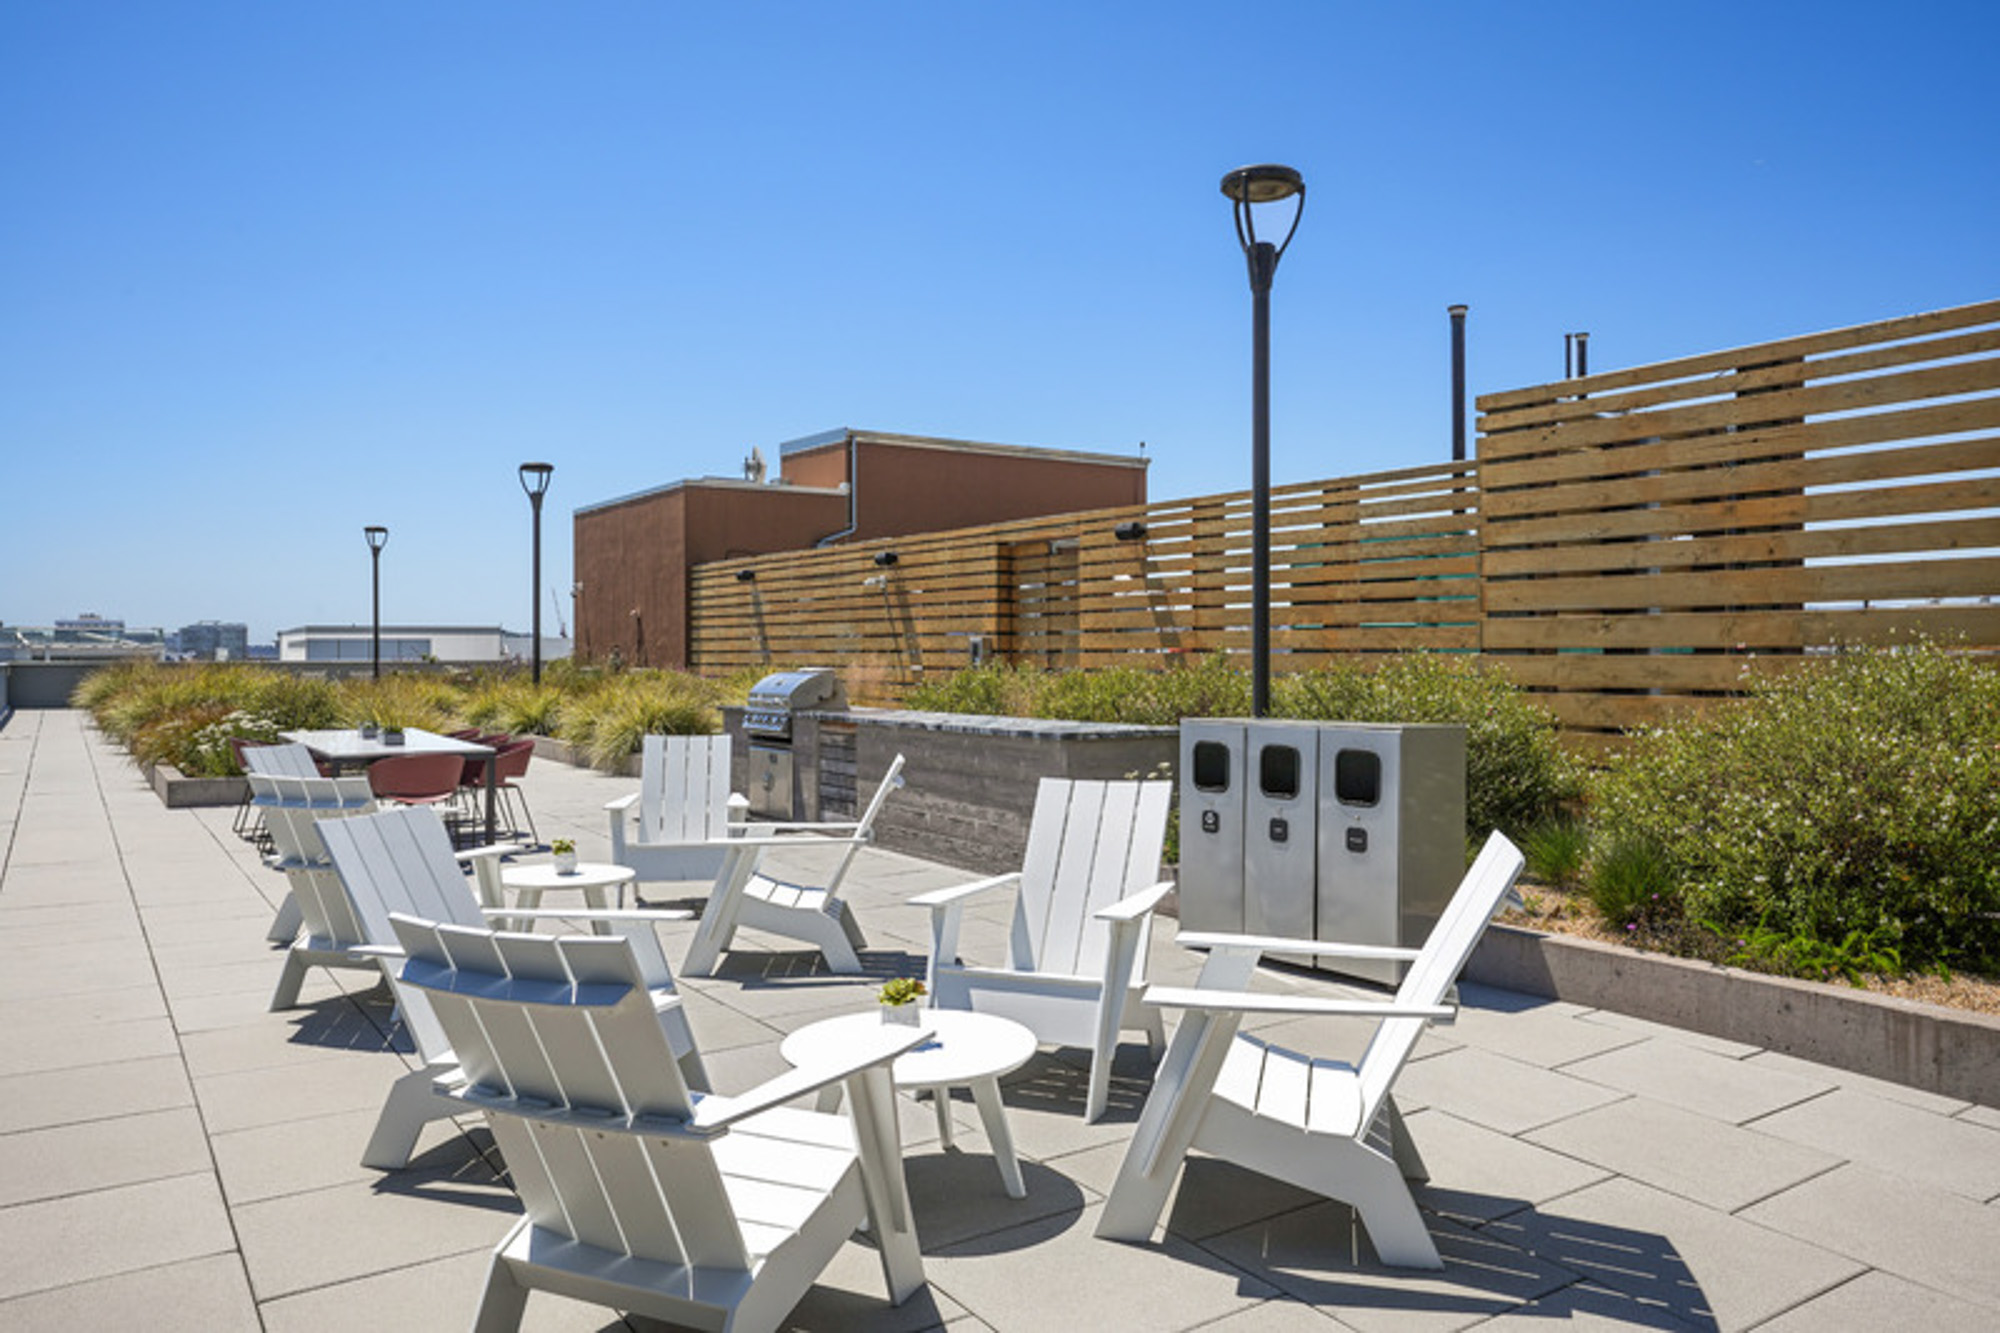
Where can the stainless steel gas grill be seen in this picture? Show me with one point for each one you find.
(767, 727)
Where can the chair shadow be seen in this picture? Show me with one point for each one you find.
(1526, 1262)
(359, 1022)
(465, 1169)
(1058, 1083)
(756, 968)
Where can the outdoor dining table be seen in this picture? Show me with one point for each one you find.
(345, 749)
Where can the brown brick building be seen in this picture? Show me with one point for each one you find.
(633, 554)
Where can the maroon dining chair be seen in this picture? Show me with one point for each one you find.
(417, 779)
(510, 765)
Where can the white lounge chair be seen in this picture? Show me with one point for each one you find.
(1082, 912)
(672, 827)
(1323, 1125)
(327, 931)
(814, 914)
(402, 861)
(287, 760)
(717, 1212)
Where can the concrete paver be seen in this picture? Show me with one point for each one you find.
(174, 1156)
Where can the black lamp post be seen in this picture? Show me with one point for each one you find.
(378, 537)
(1248, 187)
(535, 481)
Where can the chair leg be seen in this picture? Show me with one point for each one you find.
(1401, 1146)
(289, 980)
(1395, 1227)
(285, 925)
(411, 1105)
(505, 1300)
(512, 794)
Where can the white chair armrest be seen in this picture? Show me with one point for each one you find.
(1257, 1002)
(876, 1048)
(587, 914)
(1207, 939)
(1136, 905)
(389, 951)
(469, 855)
(623, 803)
(848, 827)
(959, 892)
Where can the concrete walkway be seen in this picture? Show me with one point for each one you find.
(172, 1156)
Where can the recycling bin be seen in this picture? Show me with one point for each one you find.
(1336, 831)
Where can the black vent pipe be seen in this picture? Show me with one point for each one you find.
(1457, 313)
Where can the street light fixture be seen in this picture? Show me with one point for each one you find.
(377, 537)
(535, 481)
(1248, 187)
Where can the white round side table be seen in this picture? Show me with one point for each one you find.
(529, 883)
(967, 1050)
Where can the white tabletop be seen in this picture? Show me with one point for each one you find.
(351, 747)
(965, 1046)
(544, 875)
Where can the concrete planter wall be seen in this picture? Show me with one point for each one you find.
(1952, 1052)
(177, 791)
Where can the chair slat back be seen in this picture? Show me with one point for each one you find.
(292, 809)
(286, 761)
(683, 789)
(1089, 845)
(1438, 964)
(556, 1031)
(400, 860)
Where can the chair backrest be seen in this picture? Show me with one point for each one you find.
(559, 1043)
(1089, 845)
(292, 809)
(1438, 964)
(420, 776)
(287, 760)
(401, 861)
(683, 789)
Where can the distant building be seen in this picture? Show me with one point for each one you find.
(335, 644)
(211, 641)
(86, 638)
(634, 554)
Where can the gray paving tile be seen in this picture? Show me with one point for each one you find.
(35, 1048)
(1698, 1080)
(93, 1092)
(1931, 1237)
(1082, 1282)
(1895, 1092)
(81, 1237)
(208, 1294)
(1589, 1308)
(293, 1157)
(1876, 1301)
(100, 1154)
(280, 1094)
(1700, 1265)
(1550, 1033)
(1691, 1155)
(1645, 1027)
(1500, 1093)
(301, 1241)
(1915, 1144)
(1477, 1174)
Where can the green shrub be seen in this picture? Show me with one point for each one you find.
(1856, 794)
(607, 724)
(1631, 883)
(1517, 774)
(1557, 850)
(401, 699)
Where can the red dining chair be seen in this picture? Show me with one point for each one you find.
(416, 779)
(510, 765)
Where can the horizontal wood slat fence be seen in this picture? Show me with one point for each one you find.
(1627, 545)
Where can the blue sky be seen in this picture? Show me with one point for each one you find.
(272, 272)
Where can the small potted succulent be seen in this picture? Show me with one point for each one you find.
(899, 1000)
(565, 854)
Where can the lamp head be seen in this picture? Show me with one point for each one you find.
(1265, 184)
(535, 478)
(1248, 187)
(884, 559)
(377, 535)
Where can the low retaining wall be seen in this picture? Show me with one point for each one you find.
(1952, 1052)
(178, 791)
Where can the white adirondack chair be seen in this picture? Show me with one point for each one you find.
(289, 760)
(1082, 913)
(711, 1211)
(672, 827)
(328, 932)
(814, 914)
(1323, 1125)
(402, 860)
